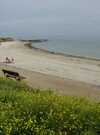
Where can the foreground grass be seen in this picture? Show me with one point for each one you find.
(44, 113)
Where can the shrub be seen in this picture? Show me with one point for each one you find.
(36, 112)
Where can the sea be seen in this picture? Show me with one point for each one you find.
(89, 49)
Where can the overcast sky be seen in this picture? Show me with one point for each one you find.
(76, 18)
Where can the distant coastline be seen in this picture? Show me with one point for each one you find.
(35, 40)
(6, 39)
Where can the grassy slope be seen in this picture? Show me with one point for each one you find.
(44, 113)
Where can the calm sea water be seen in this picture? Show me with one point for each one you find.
(78, 48)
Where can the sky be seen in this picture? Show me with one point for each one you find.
(62, 18)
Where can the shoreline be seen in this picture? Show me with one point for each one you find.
(28, 43)
(62, 54)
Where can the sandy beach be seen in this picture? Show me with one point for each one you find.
(69, 75)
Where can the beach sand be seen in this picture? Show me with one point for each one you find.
(68, 75)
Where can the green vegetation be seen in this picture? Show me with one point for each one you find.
(5, 39)
(24, 111)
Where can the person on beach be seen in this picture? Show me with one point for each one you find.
(9, 61)
(12, 60)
